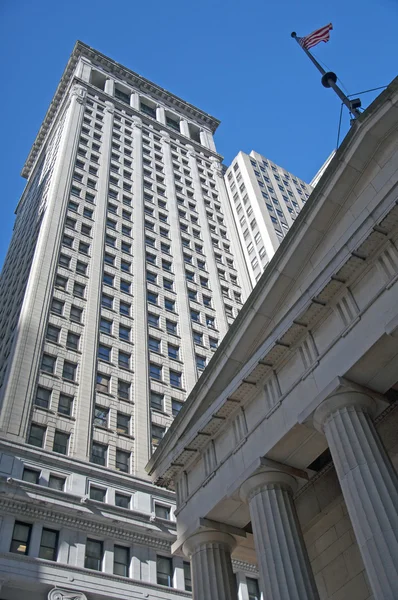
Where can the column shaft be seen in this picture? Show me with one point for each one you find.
(212, 575)
(369, 484)
(283, 561)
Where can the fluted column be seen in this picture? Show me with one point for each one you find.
(283, 562)
(369, 484)
(212, 575)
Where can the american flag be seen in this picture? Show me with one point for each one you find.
(320, 35)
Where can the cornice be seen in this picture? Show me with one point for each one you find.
(40, 513)
(129, 77)
(24, 560)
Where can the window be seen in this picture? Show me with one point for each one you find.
(101, 415)
(48, 544)
(103, 383)
(171, 327)
(94, 554)
(210, 322)
(106, 326)
(107, 301)
(76, 314)
(153, 320)
(125, 266)
(109, 259)
(195, 316)
(166, 265)
(81, 268)
(125, 286)
(124, 360)
(122, 461)
(48, 363)
(67, 241)
(163, 512)
(108, 279)
(123, 389)
(20, 538)
(175, 379)
(204, 282)
(213, 343)
(43, 397)
(154, 344)
(123, 423)
(155, 371)
(152, 298)
(253, 589)
(200, 362)
(65, 405)
(124, 308)
(57, 307)
(187, 576)
(126, 248)
(97, 493)
(124, 333)
(84, 248)
(173, 351)
(176, 406)
(99, 454)
(157, 401)
(31, 475)
(168, 284)
(61, 442)
(206, 300)
(110, 241)
(72, 341)
(169, 304)
(121, 559)
(198, 338)
(164, 571)
(122, 500)
(56, 483)
(69, 370)
(104, 352)
(86, 229)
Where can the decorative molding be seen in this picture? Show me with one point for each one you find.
(240, 565)
(38, 513)
(62, 594)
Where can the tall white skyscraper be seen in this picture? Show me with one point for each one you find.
(265, 201)
(124, 272)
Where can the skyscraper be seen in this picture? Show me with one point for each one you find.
(123, 274)
(265, 201)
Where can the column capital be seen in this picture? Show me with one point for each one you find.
(137, 123)
(267, 479)
(345, 398)
(206, 537)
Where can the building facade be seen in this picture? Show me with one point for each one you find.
(286, 451)
(265, 201)
(123, 275)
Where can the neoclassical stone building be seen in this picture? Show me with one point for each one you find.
(286, 450)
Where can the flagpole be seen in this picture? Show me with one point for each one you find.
(329, 80)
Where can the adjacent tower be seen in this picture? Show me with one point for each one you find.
(265, 201)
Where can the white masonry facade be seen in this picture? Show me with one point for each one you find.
(123, 275)
(265, 201)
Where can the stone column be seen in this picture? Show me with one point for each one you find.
(161, 115)
(110, 87)
(212, 575)
(184, 128)
(369, 484)
(203, 138)
(135, 100)
(283, 562)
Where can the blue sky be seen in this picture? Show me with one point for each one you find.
(234, 59)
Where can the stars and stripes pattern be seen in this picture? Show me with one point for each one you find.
(320, 35)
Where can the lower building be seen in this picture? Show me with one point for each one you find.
(286, 451)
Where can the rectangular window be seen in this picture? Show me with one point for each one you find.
(65, 405)
(125, 286)
(124, 308)
(169, 304)
(123, 423)
(81, 268)
(163, 512)
(195, 316)
(155, 371)
(57, 307)
(152, 298)
(121, 559)
(187, 576)
(99, 454)
(173, 351)
(176, 406)
(253, 589)
(123, 389)
(107, 301)
(101, 416)
(124, 360)
(97, 493)
(164, 571)
(104, 352)
(72, 341)
(154, 344)
(108, 279)
(123, 461)
(69, 370)
(76, 314)
(200, 362)
(31, 475)
(103, 383)
(124, 333)
(48, 544)
(21, 538)
(171, 327)
(94, 555)
(61, 442)
(48, 363)
(122, 500)
(157, 401)
(56, 483)
(153, 320)
(168, 284)
(84, 248)
(43, 397)
(175, 379)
